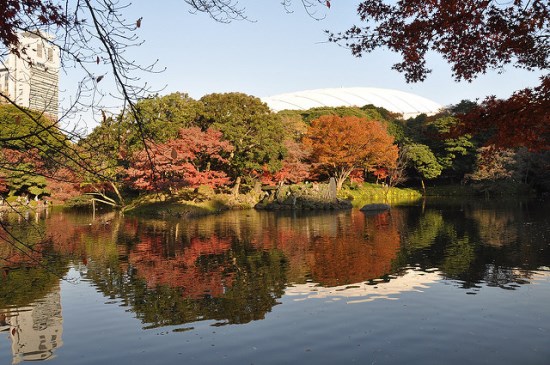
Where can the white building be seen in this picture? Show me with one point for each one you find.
(407, 104)
(32, 79)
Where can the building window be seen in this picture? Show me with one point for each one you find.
(39, 50)
(50, 54)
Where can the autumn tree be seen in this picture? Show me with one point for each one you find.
(37, 158)
(3, 185)
(253, 130)
(93, 38)
(194, 158)
(340, 145)
(474, 36)
(63, 185)
(502, 171)
(523, 120)
(115, 139)
(396, 174)
(295, 167)
(88, 35)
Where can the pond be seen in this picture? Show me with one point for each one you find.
(433, 283)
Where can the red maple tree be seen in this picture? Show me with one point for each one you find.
(523, 120)
(195, 158)
(63, 184)
(3, 185)
(16, 12)
(295, 167)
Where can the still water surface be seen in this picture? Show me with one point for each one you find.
(465, 283)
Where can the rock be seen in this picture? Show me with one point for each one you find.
(301, 203)
(332, 190)
(374, 207)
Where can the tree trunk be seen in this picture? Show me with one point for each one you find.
(340, 183)
(341, 177)
(423, 187)
(117, 192)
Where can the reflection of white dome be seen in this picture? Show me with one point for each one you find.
(411, 280)
(396, 101)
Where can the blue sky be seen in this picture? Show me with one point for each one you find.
(280, 52)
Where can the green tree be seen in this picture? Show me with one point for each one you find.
(21, 182)
(22, 129)
(341, 111)
(107, 149)
(160, 119)
(32, 151)
(250, 126)
(163, 116)
(455, 154)
(423, 161)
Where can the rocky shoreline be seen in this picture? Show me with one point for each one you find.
(304, 197)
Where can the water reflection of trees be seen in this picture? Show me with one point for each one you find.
(238, 285)
(233, 268)
(363, 251)
(29, 267)
(30, 270)
(473, 243)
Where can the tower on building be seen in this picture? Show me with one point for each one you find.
(31, 79)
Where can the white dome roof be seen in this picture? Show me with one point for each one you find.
(410, 105)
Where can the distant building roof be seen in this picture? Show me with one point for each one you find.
(410, 105)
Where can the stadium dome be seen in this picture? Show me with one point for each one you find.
(407, 104)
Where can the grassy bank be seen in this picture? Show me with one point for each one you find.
(368, 193)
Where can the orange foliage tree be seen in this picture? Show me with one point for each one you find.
(340, 145)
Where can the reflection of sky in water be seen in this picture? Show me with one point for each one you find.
(411, 280)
